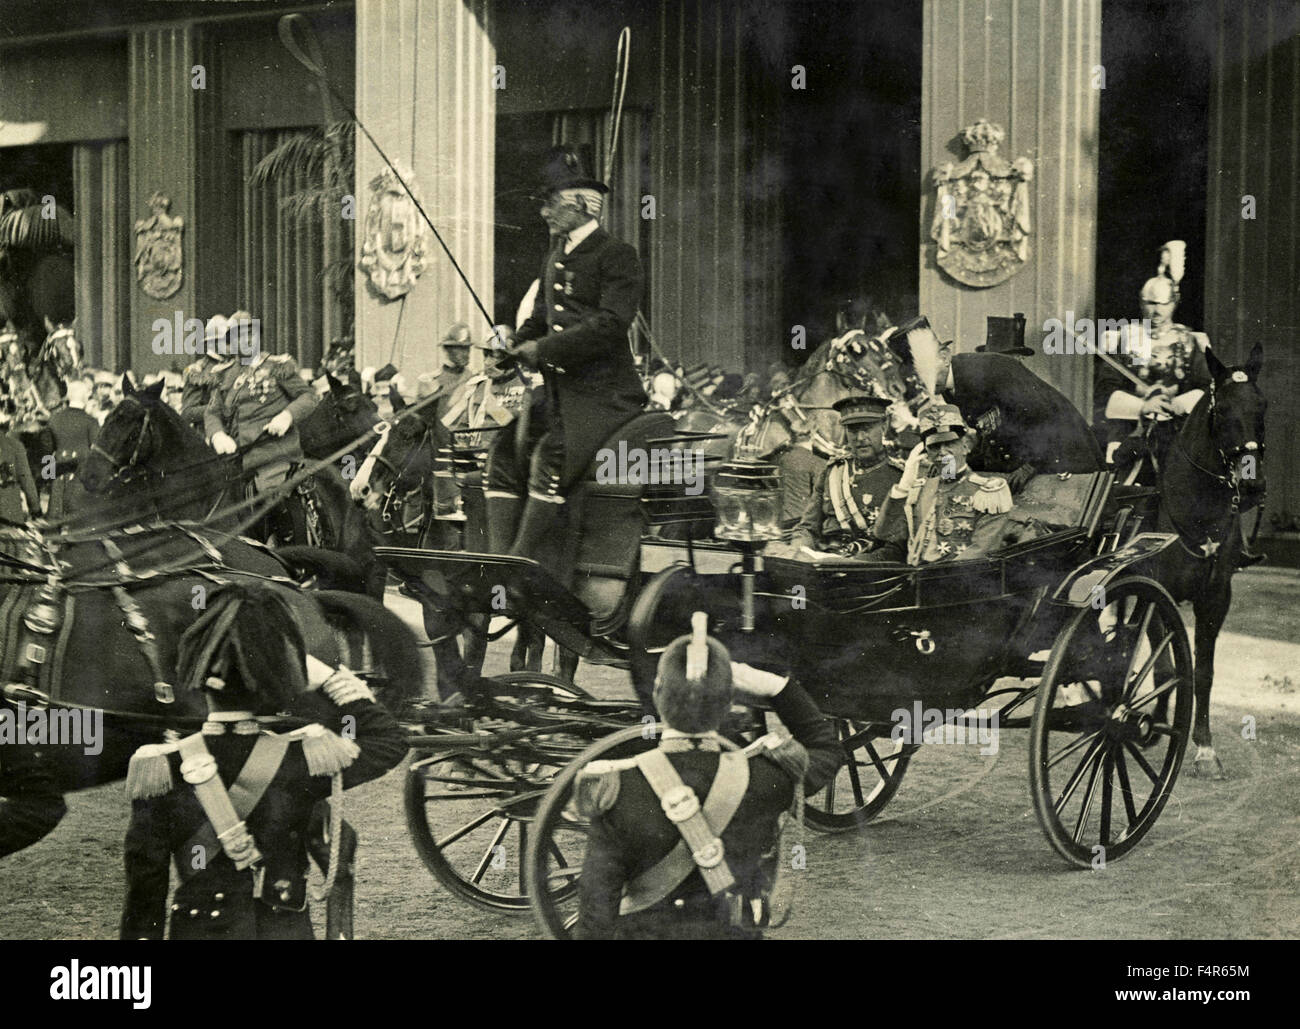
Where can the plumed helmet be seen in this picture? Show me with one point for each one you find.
(693, 687)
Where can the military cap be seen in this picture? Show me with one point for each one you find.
(856, 410)
(457, 336)
(941, 423)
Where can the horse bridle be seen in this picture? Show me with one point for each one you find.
(1230, 461)
(395, 499)
(121, 469)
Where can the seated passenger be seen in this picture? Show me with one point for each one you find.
(840, 517)
(943, 511)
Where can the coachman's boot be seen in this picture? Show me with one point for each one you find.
(541, 518)
(502, 522)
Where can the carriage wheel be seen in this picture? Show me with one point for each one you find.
(470, 812)
(1111, 723)
(872, 771)
(559, 833)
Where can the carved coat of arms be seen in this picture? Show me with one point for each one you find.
(159, 255)
(981, 210)
(392, 252)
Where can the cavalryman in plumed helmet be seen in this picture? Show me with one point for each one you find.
(840, 518)
(638, 881)
(231, 805)
(591, 287)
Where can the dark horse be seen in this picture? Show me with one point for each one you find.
(1213, 473)
(105, 611)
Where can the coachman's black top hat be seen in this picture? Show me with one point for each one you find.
(565, 168)
(1006, 336)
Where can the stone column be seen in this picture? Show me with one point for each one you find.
(1028, 65)
(424, 90)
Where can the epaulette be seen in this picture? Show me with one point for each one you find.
(994, 496)
(279, 358)
(194, 367)
(785, 752)
(327, 752)
(150, 772)
(596, 788)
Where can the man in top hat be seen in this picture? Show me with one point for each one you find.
(941, 510)
(202, 376)
(1167, 371)
(638, 879)
(840, 517)
(1027, 427)
(591, 287)
(258, 405)
(232, 805)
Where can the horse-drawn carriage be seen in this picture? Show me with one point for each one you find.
(1062, 635)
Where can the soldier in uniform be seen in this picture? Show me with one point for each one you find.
(941, 510)
(202, 376)
(1167, 358)
(74, 432)
(840, 518)
(637, 881)
(16, 482)
(232, 804)
(264, 398)
(591, 287)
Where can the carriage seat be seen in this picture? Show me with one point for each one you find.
(605, 521)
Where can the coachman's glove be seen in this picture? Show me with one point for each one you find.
(223, 444)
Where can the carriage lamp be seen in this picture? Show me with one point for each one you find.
(747, 496)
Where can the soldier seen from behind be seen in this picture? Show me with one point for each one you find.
(684, 839)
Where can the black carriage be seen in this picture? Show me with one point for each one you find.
(1062, 635)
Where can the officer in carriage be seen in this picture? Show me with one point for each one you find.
(590, 288)
(201, 377)
(231, 805)
(639, 881)
(941, 510)
(840, 517)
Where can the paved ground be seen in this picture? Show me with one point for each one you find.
(958, 853)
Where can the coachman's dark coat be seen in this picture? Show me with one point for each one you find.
(586, 302)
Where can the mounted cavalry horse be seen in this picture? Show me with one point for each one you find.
(1213, 474)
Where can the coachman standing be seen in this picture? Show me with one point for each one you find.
(590, 288)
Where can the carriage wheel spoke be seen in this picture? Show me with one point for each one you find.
(878, 761)
(855, 780)
(467, 828)
(1156, 693)
(558, 854)
(1077, 776)
(1070, 748)
(1107, 796)
(1146, 767)
(1089, 795)
(1138, 637)
(1125, 787)
(1131, 687)
(486, 859)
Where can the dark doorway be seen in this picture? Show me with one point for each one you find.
(45, 168)
(851, 145)
(1153, 149)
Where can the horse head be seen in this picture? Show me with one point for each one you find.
(392, 479)
(1235, 411)
(132, 439)
(344, 415)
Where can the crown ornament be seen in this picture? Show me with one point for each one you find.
(983, 137)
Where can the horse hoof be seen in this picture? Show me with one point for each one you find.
(1207, 765)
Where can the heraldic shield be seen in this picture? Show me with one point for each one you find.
(392, 252)
(159, 255)
(981, 211)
